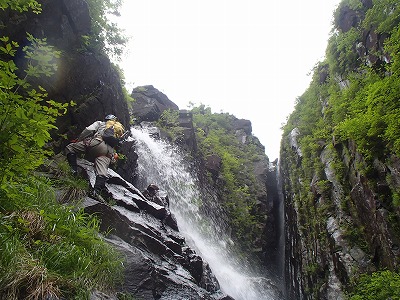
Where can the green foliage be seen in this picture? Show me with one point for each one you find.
(384, 16)
(21, 5)
(341, 53)
(26, 117)
(71, 189)
(169, 122)
(127, 96)
(106, 34)
(393, 48)
(380, 285)
(51, 249)
(373, 113)
(354, 234)
(323, 186)
(396, 199)
(169, 118)
(307, 116)
(367, 109)
(125, 296)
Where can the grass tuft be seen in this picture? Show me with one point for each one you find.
(49, 249)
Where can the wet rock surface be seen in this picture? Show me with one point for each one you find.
(158, 262)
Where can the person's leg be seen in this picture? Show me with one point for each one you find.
(98, 187)
(71, 151)
(71, 158)
(101, 163)
(101, 168)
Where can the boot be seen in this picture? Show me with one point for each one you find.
(99, 185)
(71, 157)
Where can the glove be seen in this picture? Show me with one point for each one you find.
(114, 158)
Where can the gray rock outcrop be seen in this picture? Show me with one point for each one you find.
(158, 262)
(150, 103)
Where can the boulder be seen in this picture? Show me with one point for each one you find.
(150, 103)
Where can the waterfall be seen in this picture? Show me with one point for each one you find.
(162, 164)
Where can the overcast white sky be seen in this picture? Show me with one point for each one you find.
(247, 58)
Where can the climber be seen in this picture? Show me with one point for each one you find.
(152, 194)
(97, 142)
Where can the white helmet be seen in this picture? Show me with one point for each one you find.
(110, 117)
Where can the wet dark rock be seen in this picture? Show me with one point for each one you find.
(158, 262)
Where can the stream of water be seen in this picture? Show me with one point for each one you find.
(162, 164)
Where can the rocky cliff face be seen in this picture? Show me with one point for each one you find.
(84, 75)
(339, 217)
(357, 232)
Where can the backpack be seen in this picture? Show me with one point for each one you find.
(113, 131)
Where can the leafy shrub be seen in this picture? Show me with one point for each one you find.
(106, 34)
(380, 285)
(21, 5)
(26, 116)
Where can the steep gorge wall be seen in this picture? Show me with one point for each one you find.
(337, 231)
(341, 216)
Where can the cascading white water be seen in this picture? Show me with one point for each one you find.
(162, 164)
